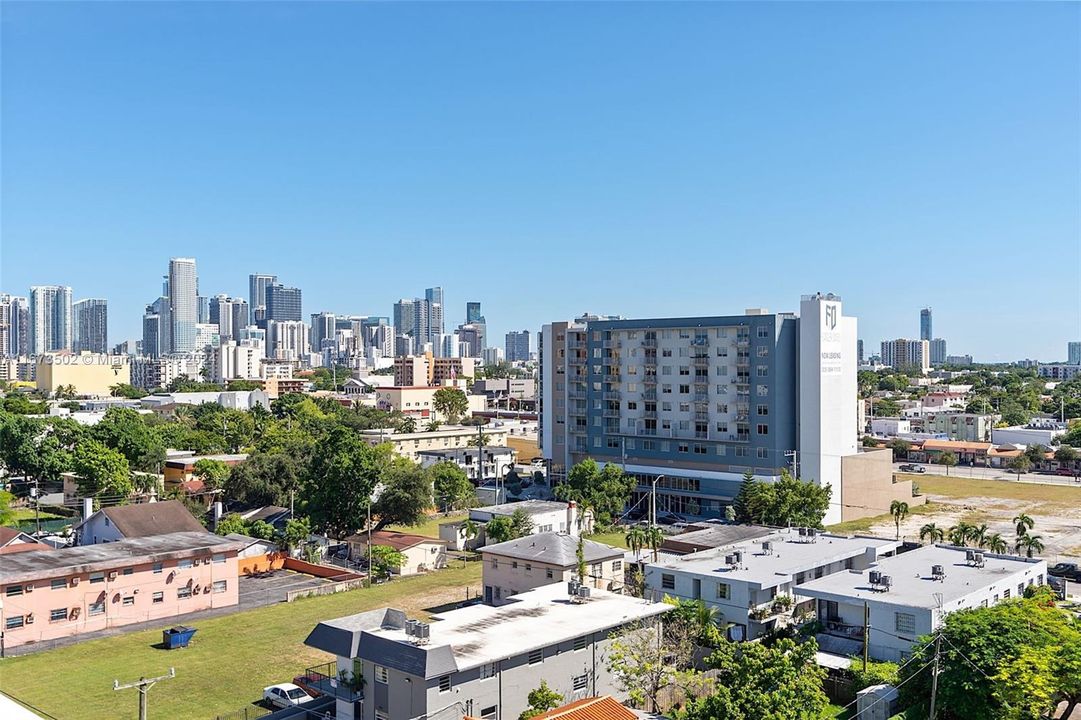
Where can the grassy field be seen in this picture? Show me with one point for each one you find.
(430, 527)
(615, 538)
(865, 524)
(22, 514)
(231, 659)
(961, 487)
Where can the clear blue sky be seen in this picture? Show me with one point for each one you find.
(641, 159)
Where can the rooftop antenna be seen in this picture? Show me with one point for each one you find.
(144, 684)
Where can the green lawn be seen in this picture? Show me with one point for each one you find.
(615, 538)
(429, 527)
(231, 659)
(23, 514)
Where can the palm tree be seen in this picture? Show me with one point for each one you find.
(959, 534)
(636, 540)
(932, 532)
(899, 510)
(1023, 523)
(1031, 544)
(470, 529)
(997, 544)
(654, 538)
(979, 534)
(407, 425)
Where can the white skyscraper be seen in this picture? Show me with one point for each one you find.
(183, 303)
(51, 322)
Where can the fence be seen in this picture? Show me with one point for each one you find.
(245, 713)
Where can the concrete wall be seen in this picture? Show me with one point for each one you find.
(867, 479)
(128, 597)
(91, 374)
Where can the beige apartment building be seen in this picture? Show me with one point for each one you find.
(88, 373)
(529, 562)
(429, 370)
(410, 445)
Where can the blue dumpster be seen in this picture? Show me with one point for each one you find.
(177, 637)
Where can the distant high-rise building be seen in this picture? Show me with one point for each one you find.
(283, 304)
(183, 304)
(938, 352)
(859, 352)
(287, 339)
(472, 313)
(1074, 353)
(51, 321)
(14, 326)
(402, 317)
(925, 324)
(323, 331)
(517, 345)
(427, 321)
(257, 286)
(155, 329)
(91, 326)
(903, 354)
(434, 296)
(202, 303)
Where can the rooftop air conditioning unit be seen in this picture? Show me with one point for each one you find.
(206, 561)
(938, 572)
(572, 587)
(112, 575)
(885, 582)
(738, 557)
(969, 555)
(977, 559)
(411, 628)
(767, 547)
(802, 532)
(875, 576)
(729, 559)
(75, 581)
(583, 592)
(423, 631)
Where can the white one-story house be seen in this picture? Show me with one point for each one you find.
(421, 553)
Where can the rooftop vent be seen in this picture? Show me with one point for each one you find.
(874, 576)
(938, 573)
(767, 547)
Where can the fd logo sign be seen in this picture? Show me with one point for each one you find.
(831, 317)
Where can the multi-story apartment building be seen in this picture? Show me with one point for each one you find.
(904, 354)
(52, 324)
(410, 445)
(419, 370)
(88, 373)
(283, 304)
(517, 344)
(1073, 353)
(937, 350)
(533, 561)
(926, 328)
(14, 326)
(60, 593)
(257, 286)
(183, 289)
(478, 661)
(1059, 372)
(91, 325)
(969, 427)
(694, 403)
(287, 339)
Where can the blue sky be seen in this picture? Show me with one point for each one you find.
(549, 159)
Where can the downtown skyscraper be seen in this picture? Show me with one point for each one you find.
(257, 287)
(926, 331)
(51, 322)
(183, 304)
(92, 325)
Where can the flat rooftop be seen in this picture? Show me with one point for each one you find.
(913, 585)
(479, 634)
(553, 548)
(531, 507)
(90, 558)
(791, 554)
(716, 535)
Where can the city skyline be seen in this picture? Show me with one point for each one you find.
(752, 160)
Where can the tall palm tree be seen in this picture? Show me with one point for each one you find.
(997, 544)
(899, 510)
(636, 540)
(1023, 523)
(959, 534)
(654, 538)
(932, 532)
(979, 534)
(1031, 544)
(470, 529)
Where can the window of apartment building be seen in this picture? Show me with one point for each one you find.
(721, 389)
(14, 621)
(617, 565)
(763, 428)
(548, 574)
(666, 406)
(761, 370)
(700, 450)
(684, 389)
(762, 350)
(684, 424)
(183, 593)
(762, 453)
(632, 405)
(649, 444)
(380, 674)
(684, 407)
(666, 352)
(762, 409)
(487, 670)
(684, 370)
(668, 582)
(219, 558)
(219, 586)
(629, 444)
(514, 564)
(1006, 594)
(722, 591)
(128, 571)
(722, 427)
(905, 623)
(444, 683)
(14, 590)
(58, 614)
(489, 713)
(536, 657)
(495, 563)
(581, 643)
(722, 449)
(158, 597)
(762, 390)
(666, 389)
(580, 682)
(1020, 589)
(596, 442)
(183, 564)
(741, 451)
(129, 600)
(596, 569)
(58, 583)
(666, 370)
(97, 608)
(682, 447)
(97, 577)
(666, 446)
(763, 331)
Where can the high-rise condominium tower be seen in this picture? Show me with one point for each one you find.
(92, 325)
(51, 323)
(925, 324)
(183, 304)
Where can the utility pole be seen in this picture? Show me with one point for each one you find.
(866, 633)
(36, 492)
(144, 684)
(934, 677)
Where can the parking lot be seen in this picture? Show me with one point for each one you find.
(260, 591)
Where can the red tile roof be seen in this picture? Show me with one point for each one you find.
(598, 708)
(396, 540)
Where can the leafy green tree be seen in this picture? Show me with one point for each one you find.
(947, 460)
(259, 529)
(7, 515)
(900, 448)
(124, 390)
(605, 490)
(1020, 464)
(541, 699)
(1036, 453)
(385, 560)
(636, 540)
(213, 473)
(763, 681)
(745, 501)
(886, 407)
(232, 524)
(340, 479)
(405, 497)
(1031, 544)
(654, 539)
(1066, 454)
(932, 533)
(263, 479)
(499, 529)
(521, 523)
(986, 661)
(787, 501)
(19, 404)
(240, 385)
(124, 430)
(899, 511)
(877, 673)
(451, 487)
(997, 544)
(296, 533)
(959, 534)
(451, 403)
(101, 470)
(1023, 523)
(643, 662)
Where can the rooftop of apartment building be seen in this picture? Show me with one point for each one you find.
(443, 431)
(553, 548)
(530, 507)
(712, 536)
(789, 553)
(471, 452)
(479, 634)
(913, 582)
(90, 558)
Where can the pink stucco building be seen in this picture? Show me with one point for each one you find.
(49, 595)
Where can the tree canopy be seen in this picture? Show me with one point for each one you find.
(787, 501)
(606, 490)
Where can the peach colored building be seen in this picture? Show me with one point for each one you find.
(65, 592)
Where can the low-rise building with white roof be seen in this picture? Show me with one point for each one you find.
(479, 661)
(753, 583)
(912, 593)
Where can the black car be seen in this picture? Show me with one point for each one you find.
(1070, 571)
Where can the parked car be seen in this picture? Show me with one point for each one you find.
(1070, 571)
(912, 468)
(1067, 472)
(285, 695)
